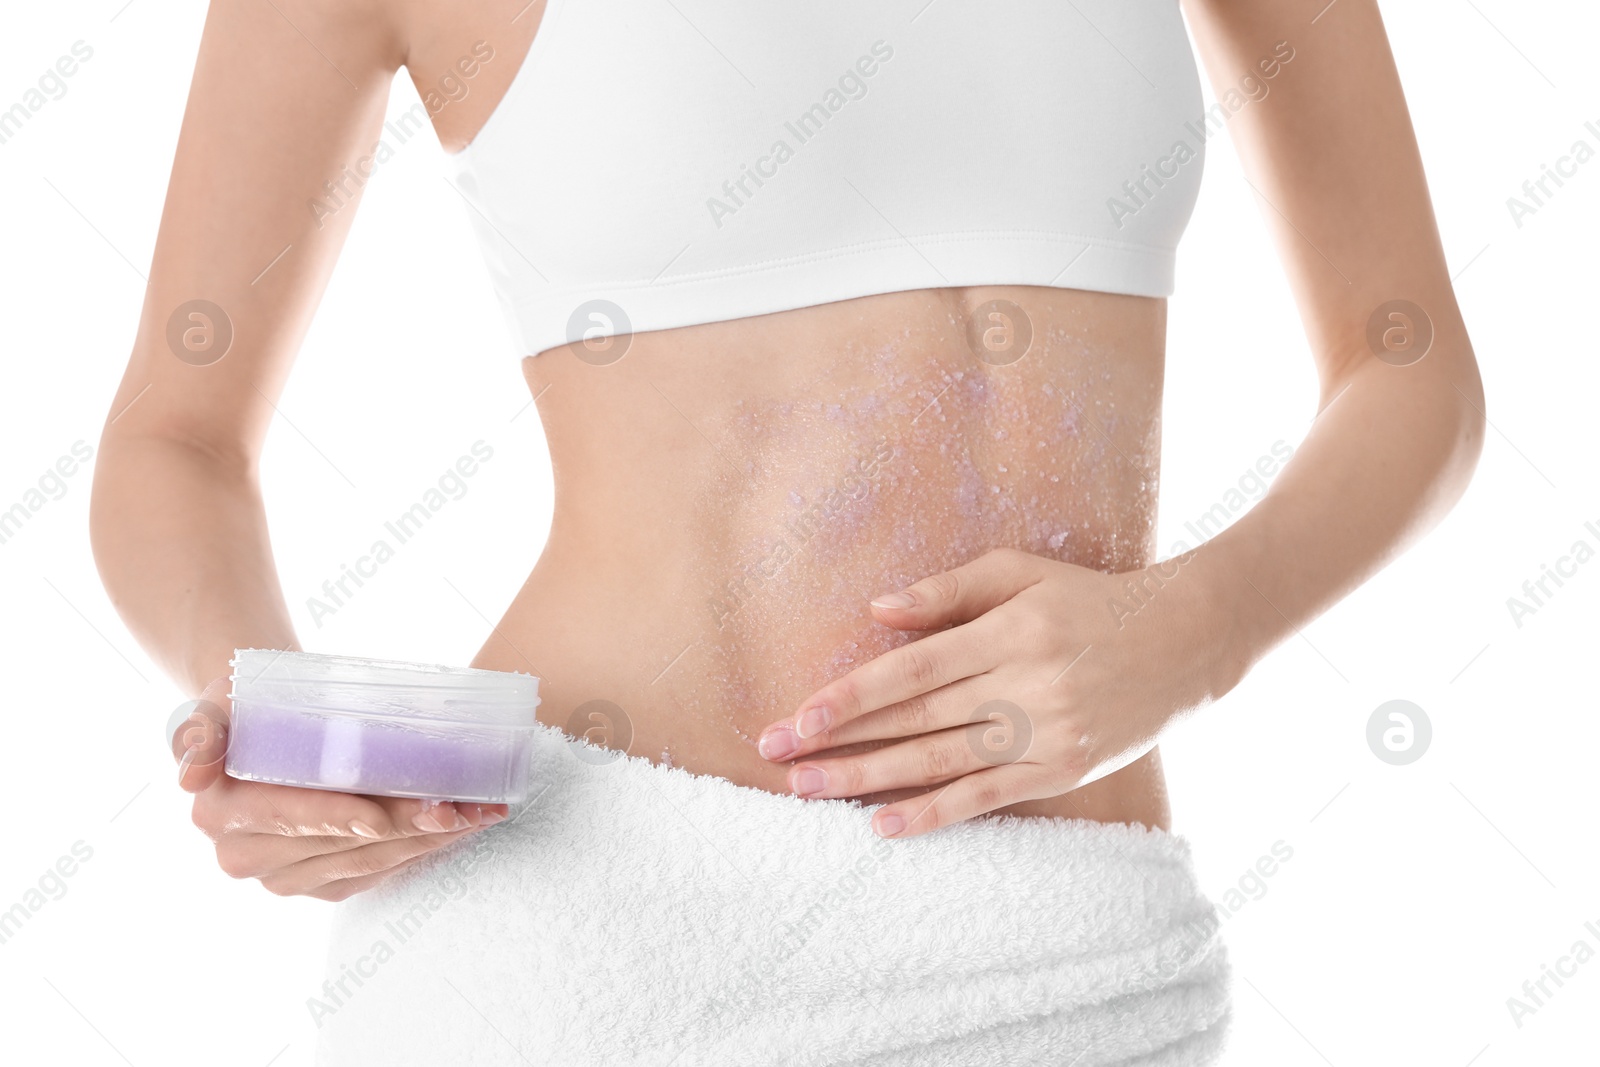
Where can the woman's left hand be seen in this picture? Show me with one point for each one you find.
(1043, 677)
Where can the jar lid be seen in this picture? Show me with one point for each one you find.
(360, 686)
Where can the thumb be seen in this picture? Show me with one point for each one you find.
(959, 595)
(197, 732)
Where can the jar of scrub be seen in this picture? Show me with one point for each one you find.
(381, 727)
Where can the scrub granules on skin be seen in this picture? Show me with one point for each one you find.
(900, 461)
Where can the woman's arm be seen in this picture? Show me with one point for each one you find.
(1332, 155)
(1333, 158)
(279, 104)
(287, 98)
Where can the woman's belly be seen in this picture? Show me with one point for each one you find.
(729, 497)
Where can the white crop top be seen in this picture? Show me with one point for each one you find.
(675, 164)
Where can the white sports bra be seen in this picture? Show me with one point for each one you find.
(655, 165)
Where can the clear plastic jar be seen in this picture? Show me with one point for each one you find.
(381, 727)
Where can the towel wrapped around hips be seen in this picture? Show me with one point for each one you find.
(632, 913)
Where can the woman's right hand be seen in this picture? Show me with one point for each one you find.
(309, 842)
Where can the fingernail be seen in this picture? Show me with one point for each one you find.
(813, 721)
(890, 825)
(810, 780)
(489, 818)
(186, 761)
(431, 819)
(895, 600)
(361, 829)
(780, 743)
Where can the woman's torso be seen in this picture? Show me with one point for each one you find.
(730, 494)
(729, 497)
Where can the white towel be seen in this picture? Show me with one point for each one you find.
(638, 914)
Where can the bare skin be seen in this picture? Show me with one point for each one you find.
(683, 581)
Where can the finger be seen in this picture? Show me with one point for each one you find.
(259, 855)
(200, 739)
(962, 594)
(255, 855)
(250, 855)
(349, 887)
(917, 667)
(375, 858)
(947, 706)
(411, 816)
(233, 806)
(928, 760)
(966, 797)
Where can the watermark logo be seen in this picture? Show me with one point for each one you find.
(51, 485)
(599, 332)
(605, 727)
(51, 85)
(451, 485)
(1142, 590)
(1140, 190)
(1000, 333)
(1399, 333)
(1566, 167)
(1252, 485)
(1537, 590)
(1536, 992)
(797, 532)
(1399, 732)
(197, 733)
(1252, 884)
(847, 890)
(452, 86)
(447, 885)
(999, 732)
(50, 886)
(199, 332)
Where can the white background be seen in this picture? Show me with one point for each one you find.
(1418, 898)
